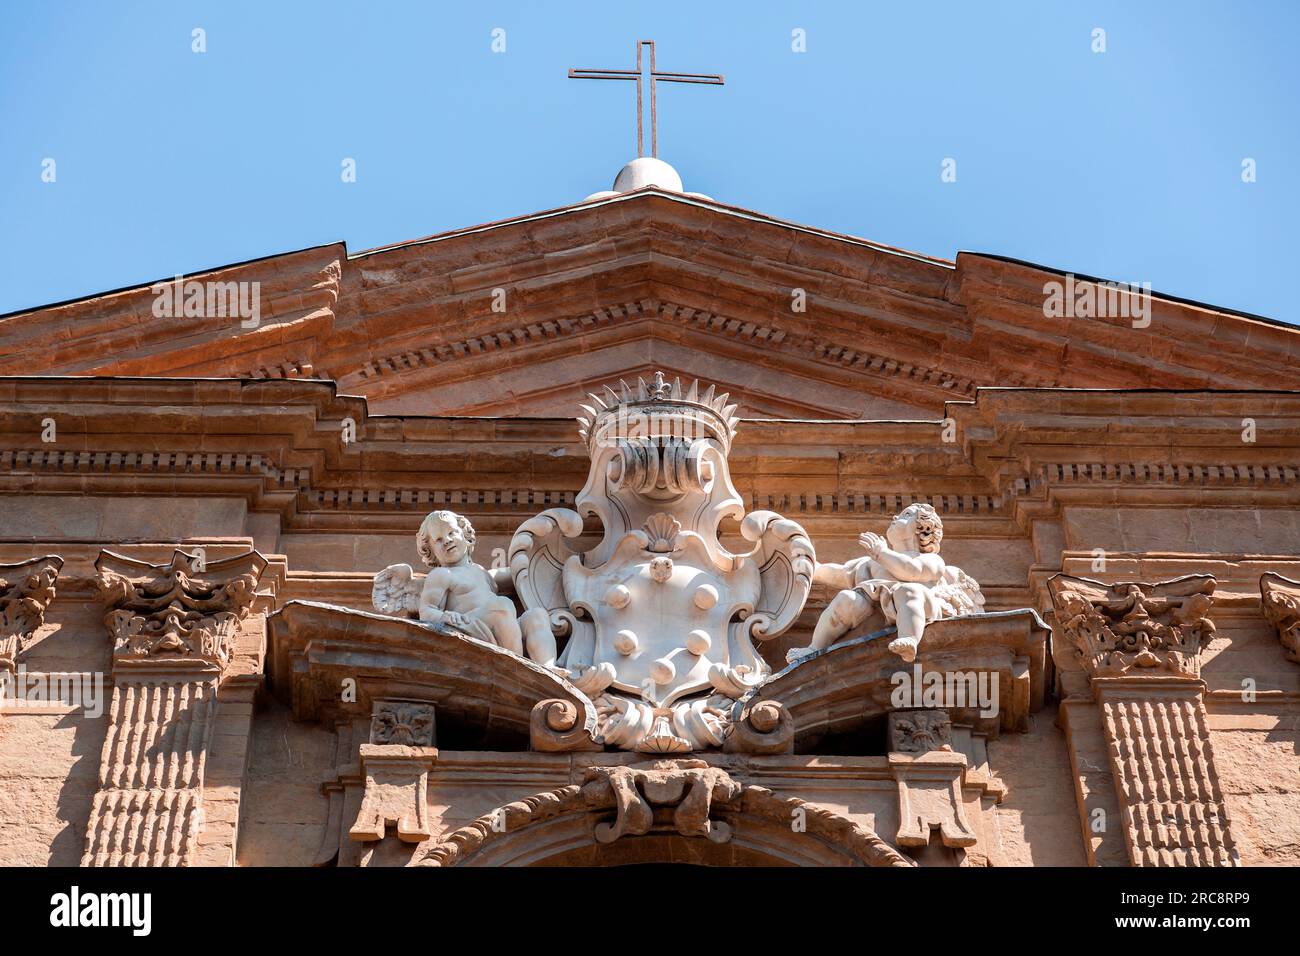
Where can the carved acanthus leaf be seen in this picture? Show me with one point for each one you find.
(1115, 630)
(919, 731)
(26, 590)
(184, 609)
(1280, 599)
(402, 723)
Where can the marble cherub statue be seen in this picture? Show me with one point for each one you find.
(456, 593)
(905, 575)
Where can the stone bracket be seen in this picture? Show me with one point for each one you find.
(396, 794)
(929, 796)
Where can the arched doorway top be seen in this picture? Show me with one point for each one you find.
(661, 810)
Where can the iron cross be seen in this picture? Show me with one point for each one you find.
(653, 76)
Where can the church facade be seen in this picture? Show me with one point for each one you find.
(648, 529)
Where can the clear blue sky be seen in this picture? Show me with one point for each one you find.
(1124, 164)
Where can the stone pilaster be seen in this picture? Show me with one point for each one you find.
(1128, 659)
(1280, 601)
(174, 628)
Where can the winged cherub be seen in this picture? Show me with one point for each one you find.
(903, 572)
(457, 593)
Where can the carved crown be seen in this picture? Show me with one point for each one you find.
(656, 410)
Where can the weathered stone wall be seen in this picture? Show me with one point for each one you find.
(1038, 821)
(49, 763)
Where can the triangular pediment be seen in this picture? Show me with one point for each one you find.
(525, 316)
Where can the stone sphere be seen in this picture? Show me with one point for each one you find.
(625, 642)
(663, 670)
(647, 171)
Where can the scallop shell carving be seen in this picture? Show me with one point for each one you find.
(662, 530)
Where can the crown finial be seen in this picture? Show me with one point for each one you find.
(617, 409)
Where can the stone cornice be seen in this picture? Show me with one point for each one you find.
(443, 360)
(117, 333)
(280, 445)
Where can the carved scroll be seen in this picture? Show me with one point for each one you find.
(174, 629)
(765, 727)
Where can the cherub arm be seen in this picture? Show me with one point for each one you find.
(838, 576)
(436, 584)
(923, 568)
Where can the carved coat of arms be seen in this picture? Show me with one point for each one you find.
(660, 618)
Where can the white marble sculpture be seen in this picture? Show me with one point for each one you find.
(660, 618)
(456, 594)
(904, 574)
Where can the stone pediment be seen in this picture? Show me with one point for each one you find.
(844, 688)
(535, 311)
(483, 694)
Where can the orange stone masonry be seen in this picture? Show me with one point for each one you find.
(196, 512)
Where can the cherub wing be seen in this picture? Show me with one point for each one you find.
(786, 559)
(961, 591)
(395, 591)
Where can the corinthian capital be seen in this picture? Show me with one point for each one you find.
(1280, 599)
(26, 590)
(185, 610)
(1131, 629)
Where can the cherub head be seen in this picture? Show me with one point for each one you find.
(445, 538)
(916, 528)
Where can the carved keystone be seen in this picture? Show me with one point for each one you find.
(691, 787)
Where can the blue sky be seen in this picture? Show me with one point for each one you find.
(1124, 164)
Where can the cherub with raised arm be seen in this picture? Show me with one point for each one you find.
(901, 571)
(457, 593)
